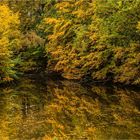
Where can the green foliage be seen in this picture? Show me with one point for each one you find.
(115, 22)
(31, 53)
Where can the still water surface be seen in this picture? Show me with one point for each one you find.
(64, 110)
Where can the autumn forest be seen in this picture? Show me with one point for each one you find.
(76, 39)
(69, 69)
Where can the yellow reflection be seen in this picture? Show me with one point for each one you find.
(68, 111)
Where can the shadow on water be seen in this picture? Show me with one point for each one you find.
(64, 110)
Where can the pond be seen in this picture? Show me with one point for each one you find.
(65, 110)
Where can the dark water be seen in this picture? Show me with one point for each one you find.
(63, 110)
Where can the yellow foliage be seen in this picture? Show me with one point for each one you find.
(9, 35)
(7, 79)
(64, 6)
(51, 20)
(79, 13)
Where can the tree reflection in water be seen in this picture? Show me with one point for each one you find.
(66, 110)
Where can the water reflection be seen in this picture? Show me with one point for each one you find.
(63, 110)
